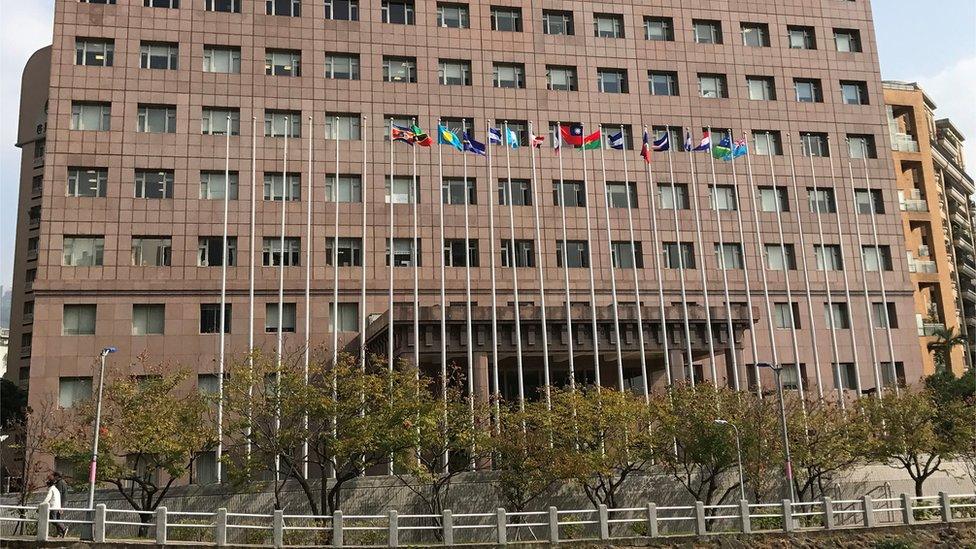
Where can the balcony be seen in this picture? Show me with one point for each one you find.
(28, 318)
(928, 329)
(914, 205)
(32, 254)
(902, 142)
(33, 222)
(921, 266)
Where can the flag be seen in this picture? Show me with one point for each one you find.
(727, 150)
(422, 138)
(448, 137)
(572, 135)
(512, 138)
(472, 146)
(592, 141)
(704, 145)
(740, 148)
(617, 141)
(646, 147)
(494, 136)
(537, 140)
(399, 133)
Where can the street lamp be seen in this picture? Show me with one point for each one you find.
(778, 370)
(98, 420)
(738, 452)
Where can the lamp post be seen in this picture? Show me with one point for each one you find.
(98, 420)
(738, 453)
(778, 370)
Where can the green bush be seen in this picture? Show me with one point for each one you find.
(894, 544)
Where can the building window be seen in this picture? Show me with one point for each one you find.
(73, 390)
(767, 142)
(290, 8)
(348, 317)
(172, 4)
(403, 252)
(814, 144)
(621, 195)
(761, 88)
(625, 256)
(453, 72)
(83, 251)
(608, 25)
(210, 318)
(404, 190)
(674, 197)
(869, 201)
(398, 12)
(506, 19)
(342, 10)
(611, 80)
(558, 23)
(214, 184)
(275, 187)
(801, 38)
(342, 66)
(283, 123)
(286, 319)
(148, 319)
(458, 125)
(892, 374)
(822, 200)
(89, 182)
(521, 130)
(350, 188)
(712, 86)
(271, 251)
(157, 119)
(679, 255)
(343, 127)
(521, 253)
(728, 255)
(828, 257)
(561, 78)
(152, 251)
(755, 35)
(722, 197)
(221, 59)
(612, 129)
(218, 121)
(508, 75)
(227, 6)
(861, 146)
(577, 254)
(94, 52)
(455, 192)
(837, 315)
(848, 376)
(400, 69)
(854, 92)
(876, 258)
(780, 257)
(203, 469)
(707, 31)
(663, 82)
(574, 193)
(283, 62)
(350, 252)
(848, 40)
(159, 55)
(454, 255)
(521, 195)
(786, 316)
(210, 251)
(659, 29)
(808, 90)
(885, 315)
(78, 319)
(453, 16)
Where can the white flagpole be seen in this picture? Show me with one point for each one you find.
(864, 284)
(335, 288)
(494, 289)
(806, 274)
(467, 292)
(701, 268)
(391, 261)
(416, 268)
(658, 253)
(681, 264)
(250, 292)
(722, 265)
(589, 257)
(633, 263)
(613, 274)
(745, 264)
(565, 254)
(514, 267)
(538, 257)
(281, 289)
(440, 176)
(363, 254)
(308, 287)
(223, 306)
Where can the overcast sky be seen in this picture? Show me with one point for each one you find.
(936, 48)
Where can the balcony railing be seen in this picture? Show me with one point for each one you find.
(921, 266)
(903, 142)
(914, 205)
(930, 328)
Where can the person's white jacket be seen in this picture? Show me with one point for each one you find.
(53, 498)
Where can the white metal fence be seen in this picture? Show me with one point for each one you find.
(501, 527)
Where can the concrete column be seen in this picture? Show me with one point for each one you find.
(907, 512)
(744, 519)
(700, 528)
(393, 534)
(868, 506)
(98, 524)
(828, 509)
(481, 388)
(553, 525)
(43, 521)
(652, 520)
(787, 516)
(161, 525)
(220, 526)
(501, 526)
(337, 540)
(278, 527)
(604, 522)
(447, 525)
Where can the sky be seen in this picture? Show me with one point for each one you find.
(936, 48)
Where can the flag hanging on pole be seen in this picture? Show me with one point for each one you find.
(472, 146)
(511, 138)
(494, 136)
(399, 133)
(422, 138)
(574, 136)
(448, 137)
(536, 140)
(704, 145)
(646, 147)
(617, 141)
(726, 150)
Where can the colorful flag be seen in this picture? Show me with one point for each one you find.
(494, 136)
(422, 138)
(448, 137)
(704, 145)
(399, 133)
(617, 141)
(592, 141)
(727, 150)
(537, 140)
(573, 134)
(512, 138)
(472, 146)
(646, 147)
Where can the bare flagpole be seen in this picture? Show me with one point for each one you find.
(415, 251)
(701, 254)
(540, 269)
(335, 286)
(514, 267)
(681, 263)
(364, 255)
(308, 287)
(589, 261)
(657, 252)
(281, 289)
(494, 288)
(440, 176)
(223, 306)
(633, 263)
(613, 274)
(565, 258)
(864, 283)
(250, 292)
(391, 261)
(467, 292)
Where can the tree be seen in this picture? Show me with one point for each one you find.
(946, 340)
(27, 439)
(152, 431)
(762, 445)
(523, 454)
(13, 404)
(916, 432)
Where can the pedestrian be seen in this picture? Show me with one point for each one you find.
(53, 499)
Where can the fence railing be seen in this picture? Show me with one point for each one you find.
(501, 527)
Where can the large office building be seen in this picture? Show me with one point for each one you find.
(791, 254)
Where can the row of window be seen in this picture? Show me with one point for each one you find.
(554, 22)
(458, 72)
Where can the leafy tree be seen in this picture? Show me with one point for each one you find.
(524, 455)
(946, 340)
(13, 404)
(27, 438)
(762, 449)
(824, 442)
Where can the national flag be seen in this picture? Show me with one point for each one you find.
(448, 137)
(472, 146)
(740, 148)
(494, 136)
(646, 147)
(592, 141)
(399, 133)
(572, 134)
(727, 150)
(422, 138)
(537, 140)
(704, 145)
(512, 138)
(617, 141)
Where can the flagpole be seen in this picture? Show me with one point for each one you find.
(541, 272)
(223, 306)
(281, 290)
(416, 268)
(363, 254)
(633, 263)
(391, 261)
(250, 292)
(745, 264)
(658, 252)
(445, 457)
(494, 289)
(724, 267)
(308, 287)
(589, 257)
(335, 289)
(702, 255)
(681, 265)
(467, 293)
(514, 267)
(565, 254)
(864, 283)
(806, 274)
(613, 275)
